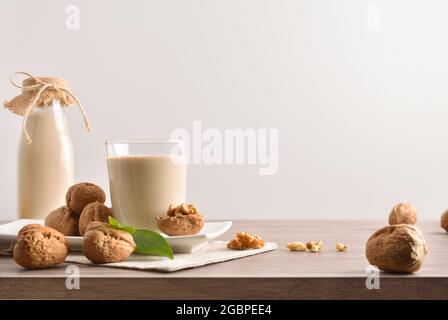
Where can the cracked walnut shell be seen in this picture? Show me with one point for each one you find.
(181, 220)
(181, 225)
(104, 244)
(80, 195)
(94, 211)
(63, 220)
(39, 247)
(403, 213)
(245, 240)
(398, 248)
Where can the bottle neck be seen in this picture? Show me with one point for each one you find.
(49, 117)
(53, 108)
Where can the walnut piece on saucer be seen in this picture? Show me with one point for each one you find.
(245, 240)
(181, 220)
(182, 209)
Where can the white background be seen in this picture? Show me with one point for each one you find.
(362, 114)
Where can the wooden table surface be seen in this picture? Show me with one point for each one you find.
(279, 274)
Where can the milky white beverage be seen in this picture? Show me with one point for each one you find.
(45, 166)
(45, 155)
(142, 187)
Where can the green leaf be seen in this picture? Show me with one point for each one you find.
(150, 242)
(117, 225)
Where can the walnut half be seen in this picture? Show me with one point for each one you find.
(181, 220)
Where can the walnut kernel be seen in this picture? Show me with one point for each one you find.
(315, 246)
(245, 240)
(296, 246)
(182, 209)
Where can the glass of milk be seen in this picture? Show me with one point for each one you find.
(145, 178)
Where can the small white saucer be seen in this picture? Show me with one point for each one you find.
(180, 244)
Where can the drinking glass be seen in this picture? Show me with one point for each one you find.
(145, 178)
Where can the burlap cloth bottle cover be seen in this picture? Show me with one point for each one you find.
(38, 92)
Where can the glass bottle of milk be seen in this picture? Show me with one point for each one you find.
(45, 158)
(45, 166)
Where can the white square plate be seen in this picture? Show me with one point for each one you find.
(180, 244)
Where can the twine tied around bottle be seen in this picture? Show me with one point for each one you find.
(40, 91)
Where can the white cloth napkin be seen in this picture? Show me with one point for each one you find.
(6, 249)
(213, 252)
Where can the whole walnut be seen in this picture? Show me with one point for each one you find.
(444, 221)
(94, 211)
(403, 213)
(398, 248)
(80, 195)
(63, 220)
(104, 244)
(95, 225)
(40, 247)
